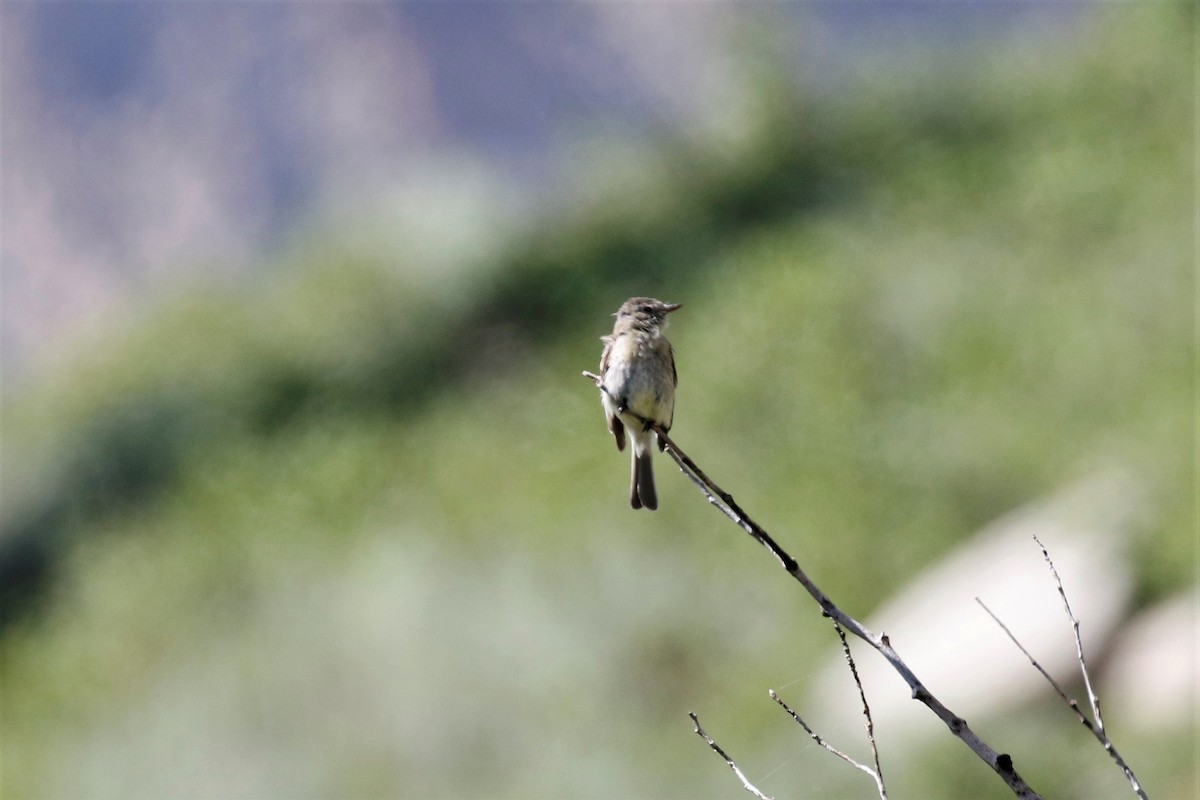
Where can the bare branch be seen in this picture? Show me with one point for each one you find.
(817, 738)
(1074, 706)
(1001, 763)
(862, 694)
(1096, 729)
(1087, 681)
(746, 784)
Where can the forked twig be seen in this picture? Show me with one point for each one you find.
(1096, 728)
(1001, 763)
(1087, 680)
(870, 723)
(1074, 706)
(749, 787)
(816, 737)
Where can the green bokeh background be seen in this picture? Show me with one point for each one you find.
(357, 530)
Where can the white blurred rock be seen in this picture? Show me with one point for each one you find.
(1153, 679)
(952, 645)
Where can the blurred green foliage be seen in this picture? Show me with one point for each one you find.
(359, 531)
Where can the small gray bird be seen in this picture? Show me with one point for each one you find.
(637, 372)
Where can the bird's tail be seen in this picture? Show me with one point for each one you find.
(641, 485)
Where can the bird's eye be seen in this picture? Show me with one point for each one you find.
(645, 309)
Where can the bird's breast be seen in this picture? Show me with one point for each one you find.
(639, 374)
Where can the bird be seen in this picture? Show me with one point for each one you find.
(637, 382)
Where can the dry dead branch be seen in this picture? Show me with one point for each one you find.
(1096, 727)
(749, 787)
(1001, 763)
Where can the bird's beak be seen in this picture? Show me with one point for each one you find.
(669, 307)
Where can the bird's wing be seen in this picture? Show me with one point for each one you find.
(617, 429)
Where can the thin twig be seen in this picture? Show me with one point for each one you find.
(1001, 763)
(1096, 728)
(816, 737)
(862, 694)
(1087, 680)
(749, 787)
(1074, 706)
(1099, 732)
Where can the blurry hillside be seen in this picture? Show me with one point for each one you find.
(144, 142)
(358, 530)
